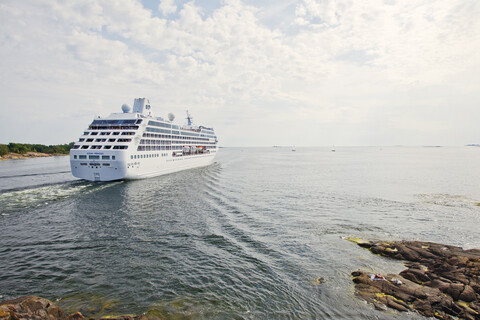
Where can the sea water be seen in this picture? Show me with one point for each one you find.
(247, 237)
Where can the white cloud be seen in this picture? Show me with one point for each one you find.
(326, 12)
(167, 7)
(333, 63)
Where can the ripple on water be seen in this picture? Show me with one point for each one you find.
(36, 197)
(448, 200)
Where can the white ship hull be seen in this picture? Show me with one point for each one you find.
(123, 167)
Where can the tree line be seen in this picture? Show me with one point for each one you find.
(24, 148)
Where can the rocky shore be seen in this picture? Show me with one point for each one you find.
(28, 155)
(440, 281)
(36, 308)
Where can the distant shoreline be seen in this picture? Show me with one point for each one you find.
(29, 155)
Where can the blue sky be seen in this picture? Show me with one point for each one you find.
(262, 73)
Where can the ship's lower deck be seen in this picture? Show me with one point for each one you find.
(118, 165)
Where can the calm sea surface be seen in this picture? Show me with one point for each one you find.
(244, 238)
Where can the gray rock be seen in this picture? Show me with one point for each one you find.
(441, 281)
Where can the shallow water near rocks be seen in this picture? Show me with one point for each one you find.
(244, 238)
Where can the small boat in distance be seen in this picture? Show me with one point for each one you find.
(293, 148)
(333, 149)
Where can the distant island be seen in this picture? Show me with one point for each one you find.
(22, 150)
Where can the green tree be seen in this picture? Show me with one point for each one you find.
(24, 148)
(14, 147)
(3, 149)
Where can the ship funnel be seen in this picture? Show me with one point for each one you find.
(141, 105)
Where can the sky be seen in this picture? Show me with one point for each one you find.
(261, 73)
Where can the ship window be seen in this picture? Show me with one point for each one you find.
(107, 147)
(111, 140)
(116, 133)
(128, 133)
(84, 147)
(85, 133)
(113, 157)
(81, 140)
(124, 140)
(106, 164)
(93, 157)
(113, 122)
(120, 147)
(159, 124)
(105, 157)
(149, 129)
(82, 156)
(100, 140)
(105, 133)
(94, 133)
(89, 140)
(75, 157)
(83, 164)
(76, 146)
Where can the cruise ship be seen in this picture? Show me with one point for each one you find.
(134, 144)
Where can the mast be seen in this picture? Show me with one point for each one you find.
(189, 119)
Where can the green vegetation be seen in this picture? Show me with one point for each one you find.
(24, 148)
(3, 149)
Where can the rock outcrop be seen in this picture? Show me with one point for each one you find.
(28, 155)
(36, 308)
(440, 281)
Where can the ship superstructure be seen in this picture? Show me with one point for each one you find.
(135, 144)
